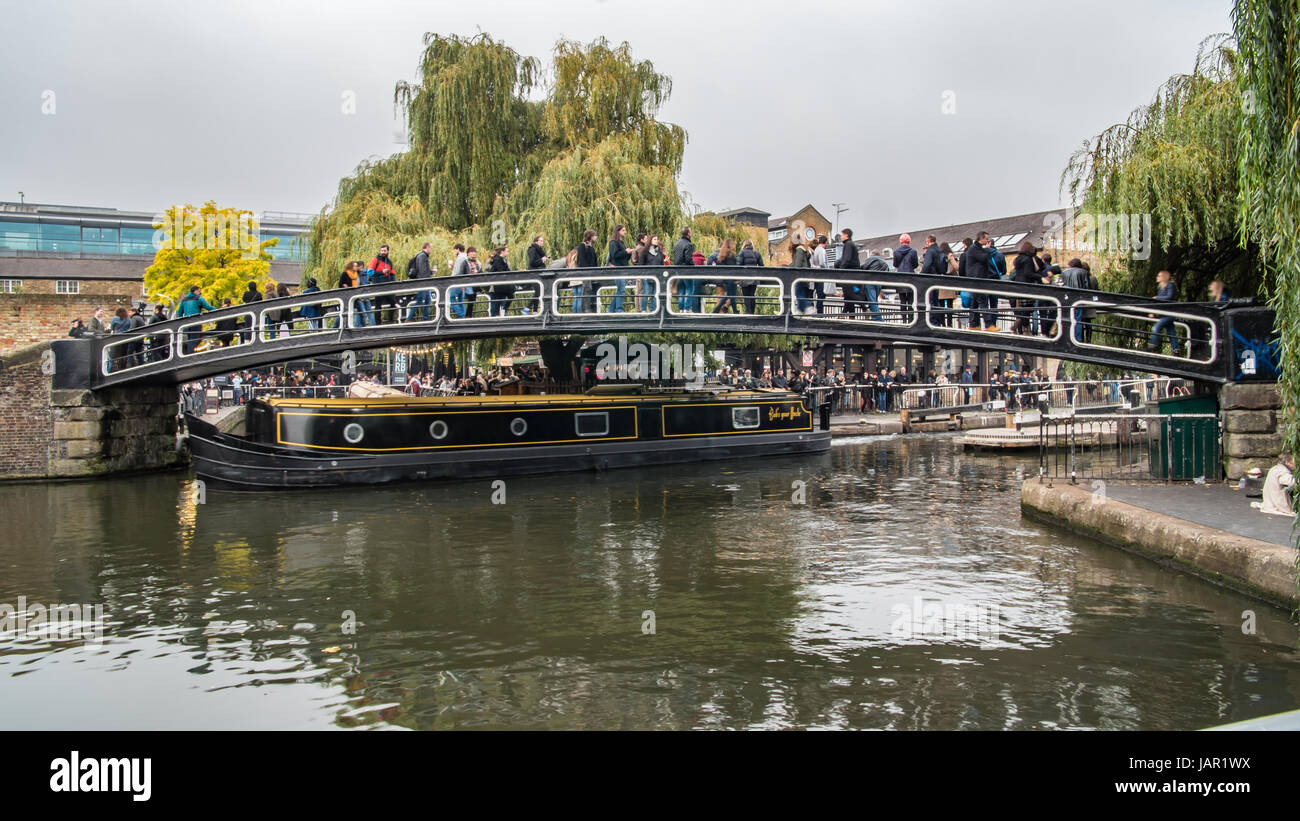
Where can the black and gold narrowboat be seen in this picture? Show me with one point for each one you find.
(289, 443)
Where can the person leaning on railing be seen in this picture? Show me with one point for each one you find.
(652, 255)
(420, 268)
(312, 312)
(748, 257)
(800, 258)
(683, 255)
(499, 296)
(192, 304)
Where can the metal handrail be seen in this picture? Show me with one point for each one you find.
(776, 292)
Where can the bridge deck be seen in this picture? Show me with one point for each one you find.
(1103, 328)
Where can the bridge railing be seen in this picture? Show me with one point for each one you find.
(711, 293)
(286, 320)
(412, 305)
(1110, 329)
(573, 296)
(131, 352)
(1191, 338)
(196, 337)
(470, 303)
(975, 309)
(876, 300)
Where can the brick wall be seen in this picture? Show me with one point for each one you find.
(112, 287)
(27, 318)
(26, 419)
(61, 434)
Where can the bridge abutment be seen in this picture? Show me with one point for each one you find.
(52, 432)
(1253, 434)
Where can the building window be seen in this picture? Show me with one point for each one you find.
(777, 235)
(67, 286)
(18, 236)
(65, 239)
(99, 240)
(10, 286)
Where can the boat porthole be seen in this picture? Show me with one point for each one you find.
(353, 433)
(518, 426)
(438, 430)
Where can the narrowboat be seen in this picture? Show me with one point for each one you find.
(298, 443)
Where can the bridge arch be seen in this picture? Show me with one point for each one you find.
(609, 301)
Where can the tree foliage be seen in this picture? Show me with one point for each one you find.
(215, 248)
(1175, 159)
(488, 165)
(361, 224)
(487, 162)
(1268, 143)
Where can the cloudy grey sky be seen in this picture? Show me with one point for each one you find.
(137, 105)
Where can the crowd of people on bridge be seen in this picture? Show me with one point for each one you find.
(966, 305)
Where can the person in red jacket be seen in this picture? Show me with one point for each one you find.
(382, 270)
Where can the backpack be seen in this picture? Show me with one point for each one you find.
(997, 264)
(412, 272)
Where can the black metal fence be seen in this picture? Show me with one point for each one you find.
(1130, 447)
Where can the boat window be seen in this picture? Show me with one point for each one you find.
(438, 430)
(353, 433)
(746, 417)
(518, 426)
(592, 424)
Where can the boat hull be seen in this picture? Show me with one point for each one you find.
(306, 444)
(232, 464)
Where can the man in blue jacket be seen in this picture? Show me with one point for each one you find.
(982, 306)
(905, 262)
(848, 259)
(1164, 325)
(192, 304)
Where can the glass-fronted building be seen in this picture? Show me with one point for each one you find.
(33, 229)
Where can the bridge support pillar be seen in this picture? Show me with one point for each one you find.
(52, 432)
(1252, 427)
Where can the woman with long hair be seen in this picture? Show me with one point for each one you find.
(945, 297)
(587, 259)
(499, 296)
(728, 289)
(1028, 269)
(653, 255)
(800, 258)
(571, 261)
(284, 316)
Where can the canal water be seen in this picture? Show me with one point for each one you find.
(888, 584)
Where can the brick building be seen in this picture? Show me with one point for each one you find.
(60, 262)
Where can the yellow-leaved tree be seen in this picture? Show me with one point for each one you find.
(218, 249)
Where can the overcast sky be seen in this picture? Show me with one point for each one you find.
(137, 105)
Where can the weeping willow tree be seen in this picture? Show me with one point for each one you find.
(489, 165)
(359, 225)
(1268, 141)
(1175, 159)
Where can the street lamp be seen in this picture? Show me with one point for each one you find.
(839, 209)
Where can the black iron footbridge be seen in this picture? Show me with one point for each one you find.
(1196, 340)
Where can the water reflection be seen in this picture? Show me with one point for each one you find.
(770, 610)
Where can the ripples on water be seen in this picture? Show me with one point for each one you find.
(767, 613)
